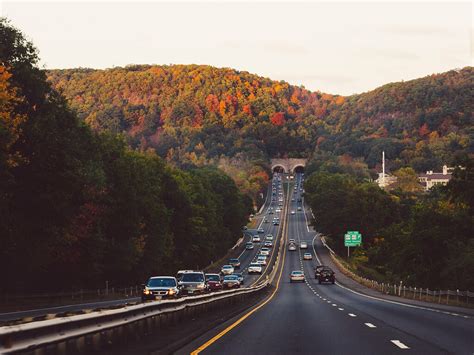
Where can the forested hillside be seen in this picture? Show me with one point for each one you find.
(79, 207)
(196, 115)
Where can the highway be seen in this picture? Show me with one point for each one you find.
(246, 257)
(333, 319)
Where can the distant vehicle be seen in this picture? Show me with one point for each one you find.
(291, 240)
(299, 199)
(262, 260)
(278, 210)
(303, 245)
(317, 270)
(180, 274)
(255, 268)
(249, 246)
(292, 200)
(256, 239)
(269, 237)
(213, 282)
(192, 283)
(299, 208)
(270, 212)
(159, 287)
(240, 276)
(280, 204)
(327, 275)
(265, 251)
(293, 212)
(235, 263)
(260, 230)
(297, 276)
(292, 247)
(265, 220)
(276, 222)
(268, 244)
(307, 256)
(231, 281)
(227, 270)
(251, 216)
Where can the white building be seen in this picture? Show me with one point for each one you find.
(431, 178)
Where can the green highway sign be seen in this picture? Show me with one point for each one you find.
(352, 239)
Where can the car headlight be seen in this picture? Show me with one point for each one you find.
(146, 291)
(171, 291)
(201, 286)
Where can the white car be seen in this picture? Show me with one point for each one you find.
(255, 268)
(297, 276)
(227, 270)
(303, 245)
(269, 237)
(293, 212)
(262, 260)
(256, 239)
(291, 240)
(299, 208)
(307, 256)
(278, 210)
(265, 251)
(291, 247)
(260, 230)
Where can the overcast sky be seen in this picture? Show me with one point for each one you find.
(335, 47)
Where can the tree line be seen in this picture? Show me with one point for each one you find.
(78, 207)
(424, 240)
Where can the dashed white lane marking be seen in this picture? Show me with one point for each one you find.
(324, 299)
(370, 325)
(400, 344)
(352, 315)
(334, 305)
(341, 309)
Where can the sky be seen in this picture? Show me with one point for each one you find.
(334, 47)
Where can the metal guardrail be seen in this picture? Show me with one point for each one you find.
(67, 332)
(418, 293)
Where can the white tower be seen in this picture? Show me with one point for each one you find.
(383, 168)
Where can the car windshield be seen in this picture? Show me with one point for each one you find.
(161, 282)
(297, 273)
(213, 278)
(234, 260)
(227, 267)
(193, 277)
(231, 277)
(255, 265)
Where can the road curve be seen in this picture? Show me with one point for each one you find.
(310, 318)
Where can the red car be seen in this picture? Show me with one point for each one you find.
(213, 282)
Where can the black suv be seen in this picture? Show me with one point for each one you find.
(317, 270)
(326, 275)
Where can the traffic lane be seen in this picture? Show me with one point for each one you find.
(392, 335)
(454, 334)
(295, 315)
(444, 331)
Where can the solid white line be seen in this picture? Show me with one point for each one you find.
(352, 315)
(399, 344)
(370, 325)
(384, 300)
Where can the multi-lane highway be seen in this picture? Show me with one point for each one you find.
(246, 257)
(333, 319)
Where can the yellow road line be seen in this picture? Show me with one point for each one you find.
(244, 317)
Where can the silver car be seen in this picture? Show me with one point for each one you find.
(297, 276)
(227, 270)
(192, 283)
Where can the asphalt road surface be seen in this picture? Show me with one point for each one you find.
(310, 318)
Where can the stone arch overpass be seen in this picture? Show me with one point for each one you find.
(288, 165)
